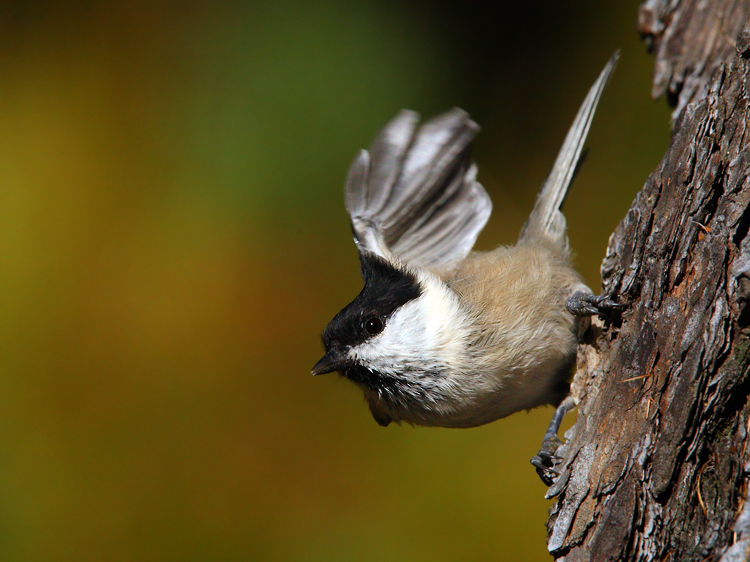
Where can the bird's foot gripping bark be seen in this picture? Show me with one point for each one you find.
(586, 304)
(546, 460)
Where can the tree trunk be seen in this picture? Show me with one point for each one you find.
(657, 463)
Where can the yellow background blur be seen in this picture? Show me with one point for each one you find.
(173, 240)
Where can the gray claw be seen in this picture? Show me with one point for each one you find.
(546, 460)
(586, 304)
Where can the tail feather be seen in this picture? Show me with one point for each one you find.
(546, 220)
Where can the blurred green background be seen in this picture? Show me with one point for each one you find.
(173, 240)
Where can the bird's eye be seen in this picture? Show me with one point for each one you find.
(373, 326)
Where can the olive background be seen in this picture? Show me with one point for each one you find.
(173, 240)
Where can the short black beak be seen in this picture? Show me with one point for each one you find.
(332, 361)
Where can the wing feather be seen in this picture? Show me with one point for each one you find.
(414, 196)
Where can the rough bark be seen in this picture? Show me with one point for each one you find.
(656, 466)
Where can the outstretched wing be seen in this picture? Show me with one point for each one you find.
(414, 195)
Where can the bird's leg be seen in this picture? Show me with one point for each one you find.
(582, 303)
(545, 460)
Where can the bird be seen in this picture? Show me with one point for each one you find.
(441, 335)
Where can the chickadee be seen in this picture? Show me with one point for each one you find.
(440, 335)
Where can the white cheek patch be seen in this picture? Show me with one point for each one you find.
(427, 334)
